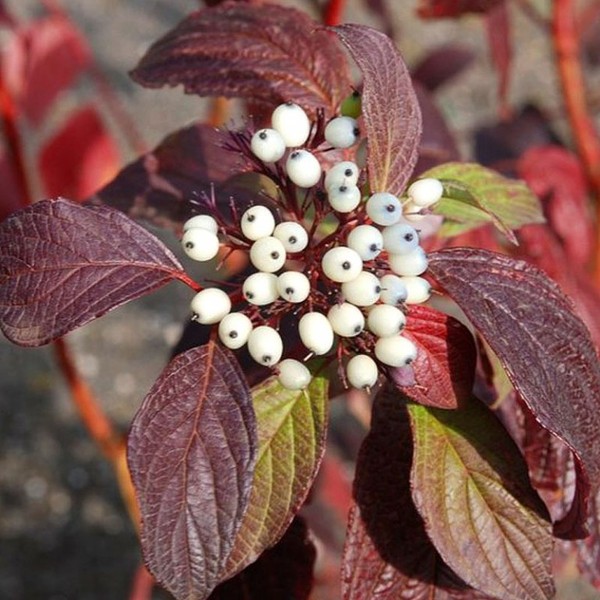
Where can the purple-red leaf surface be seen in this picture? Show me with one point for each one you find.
(63, 264)
(191, 452)
(544, 346)
(432, 9)
(265, 52)
(391, 112)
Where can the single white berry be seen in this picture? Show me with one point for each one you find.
(346, 319)
(292, 235)
(210, 305)
(293, 286)
(341, 264)
(366, 240)
(200, 244)
(395, 351)
(292, 123)
(343, 198)
(418, 290)
(425, 192)
(385, 320)
(265, 345)
(400, 238)
(362, 371)
(364, 290)
(293, 375)
(260, 289)
(393, 290)
(411, 264)
(257, 222)
(342, 173)
(202, 222)
(268, 145)
(303, 168)
(234, 330)
(411, 212)
(342, 132)
(316, 332)
(384, 208)
(267, 254)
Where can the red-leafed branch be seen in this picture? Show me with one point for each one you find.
(333, 11)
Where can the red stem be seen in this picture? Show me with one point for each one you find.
(142, 584)
(332, 14)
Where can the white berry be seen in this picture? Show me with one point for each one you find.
(234, 330)
(303, 168)
(265, 345)
(292, 123)
(343, 173)
(316, 332)
(292, 235)
(400, 238)
(385, 320)
(210, 305)
(341, 264)
(384, 208)
(260, 289)
(346, 319)
(364, 290)
(293, 375)
(395, 351)
(366, 240)
(293, 286)
(393, 290)
(200, 244)
(362, 371)
(342, 132)
(425, 192)
(257, 222)
(202, 222)
(411, 264)
(268, 145)
(267, 254)
(411, 212)
(418, 290)
(343, 198)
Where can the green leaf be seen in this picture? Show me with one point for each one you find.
(471, 487)
(292, 427)
(475, 195)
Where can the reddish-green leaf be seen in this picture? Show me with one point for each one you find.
(191, 452)
(291, 436)
(390, 108)
(471, 487)
(544, 346)
(431, 9)
(63, 264)
(268, 53)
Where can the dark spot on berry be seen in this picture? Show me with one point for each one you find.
(266, 359)
(357, 329)
(348, 172)
(373, 247)
(295, 154)
(408, 361)
(378, 289)
(289, 291)
(390, 208)
(189, 245)
(275, 255)
(263, 135)
(343, 188)
(249, 295)
(233, 334)
(346, 265)
(409, 237)
(289, 103)
(292, 239)
(250, 218)
(356, 132)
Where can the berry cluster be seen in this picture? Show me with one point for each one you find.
(353, 282)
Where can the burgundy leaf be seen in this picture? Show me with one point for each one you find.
(442, 64)
(12, 195)
(544, 346)
(445, 365)
(432, 9)
(191, 451)
(64, 264)
(391, 112)
(265, 52)
(498, 27)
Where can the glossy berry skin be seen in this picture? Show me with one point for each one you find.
(411, 264)
(257, 222)
(385, 320)
(209, 306)
(346, 319)
(395, 351)
(384, 208)
(202, 222)
(292, 123)
(292, 235)
(362, 372)
(316, 332)
(268, 145)
(293, 286)
(425, 192)
(344, 198)
(234, 330)
(364, 290)
(260, 289)
(200, 244)
(268, 254)
(400, 238)
(366, 240)
(293, 375)
(342, 173)
(265, 345)
(393, 290)
(342, 132)
(341, 264)
(418, 290)
(303, 168)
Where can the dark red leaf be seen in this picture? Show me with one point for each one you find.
(12, 197)
(441, 64)
(498, 27)
(544, 346)
(431, 9)
(391, 112)
(445, 365)
(265, 52)
(191, 452)
(80, 158)
(64, 264)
